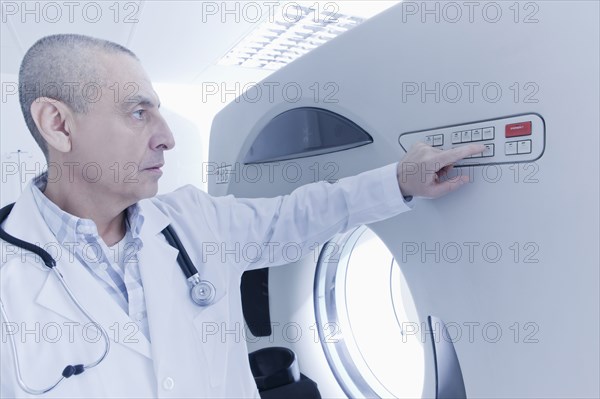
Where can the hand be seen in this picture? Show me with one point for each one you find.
(420, 170)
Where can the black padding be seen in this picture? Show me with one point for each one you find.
(303, 389)
(273, 367)
(255, 301)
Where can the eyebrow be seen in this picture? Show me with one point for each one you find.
(133, 101)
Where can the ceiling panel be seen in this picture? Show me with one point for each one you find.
(106, 20)
(177, 40)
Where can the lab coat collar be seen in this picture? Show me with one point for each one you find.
(26, 223)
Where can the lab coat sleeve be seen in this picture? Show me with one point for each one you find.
(275, 231)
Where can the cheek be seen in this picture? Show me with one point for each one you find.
(129, 153)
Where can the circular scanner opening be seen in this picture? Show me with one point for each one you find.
(363, 306)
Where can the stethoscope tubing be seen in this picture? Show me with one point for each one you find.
(71, 369)
(202, 293)
(187, 266)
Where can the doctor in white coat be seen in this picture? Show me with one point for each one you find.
(161, 344)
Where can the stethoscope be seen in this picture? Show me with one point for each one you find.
(202, 293)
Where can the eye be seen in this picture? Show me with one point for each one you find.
(139, 114)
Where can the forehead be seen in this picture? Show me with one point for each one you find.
(126, 81)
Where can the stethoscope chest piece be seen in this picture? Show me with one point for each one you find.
(203, 293)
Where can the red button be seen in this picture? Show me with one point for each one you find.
(518, 129)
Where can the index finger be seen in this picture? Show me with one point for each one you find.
(453, 155)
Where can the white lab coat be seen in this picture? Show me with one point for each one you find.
(190, 356)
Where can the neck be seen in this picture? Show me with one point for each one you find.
(79, 200)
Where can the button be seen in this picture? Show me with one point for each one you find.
(510, 148)
(139, 316)
(476, 135)
(429, 140)
(466, 136)
(456, 137)
(488, 133)
(438, 140)
(103, 266)
(168, 384)
(489, 150)
(524, 147)
(518, 129)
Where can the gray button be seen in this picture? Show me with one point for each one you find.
(488, 133)
(510, 148)
(466, 136)
(524, 147)
(456, 137)
(489, 150)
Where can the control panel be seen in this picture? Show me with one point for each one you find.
(520, 138)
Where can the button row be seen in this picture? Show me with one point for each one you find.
(435, 140)
(517, 147)
(488, 152)
(468, 136)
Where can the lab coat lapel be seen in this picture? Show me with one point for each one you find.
(98, 303)
(26, 222)
(175, 329)
(163, 280)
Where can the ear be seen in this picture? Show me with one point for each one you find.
(50, 117)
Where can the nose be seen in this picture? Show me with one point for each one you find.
(162, 137)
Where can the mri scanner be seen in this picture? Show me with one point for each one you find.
(509, 262)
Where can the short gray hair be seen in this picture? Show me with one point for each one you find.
(58, 67)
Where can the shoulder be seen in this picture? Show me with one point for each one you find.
(185, 199)
(190, 198)
(186, 206)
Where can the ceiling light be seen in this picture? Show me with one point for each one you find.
(286, 37)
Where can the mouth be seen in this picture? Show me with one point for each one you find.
(155, 168)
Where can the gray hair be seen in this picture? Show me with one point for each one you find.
(60, 67)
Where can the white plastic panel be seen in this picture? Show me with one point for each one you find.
(492, 133)
(549, 204)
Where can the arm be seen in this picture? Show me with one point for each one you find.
(272, 231)
(290, 226)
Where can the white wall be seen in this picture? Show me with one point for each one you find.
(14, 136)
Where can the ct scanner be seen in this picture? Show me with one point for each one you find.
(509, 263)
(493, 289)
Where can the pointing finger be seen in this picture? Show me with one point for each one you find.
(453, 155)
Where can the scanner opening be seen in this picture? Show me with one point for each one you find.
(363, 308)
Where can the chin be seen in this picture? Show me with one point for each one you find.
(151, 192)
(148, 191)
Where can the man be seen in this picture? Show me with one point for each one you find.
(97, 200)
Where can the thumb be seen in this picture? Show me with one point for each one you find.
(449, 186)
